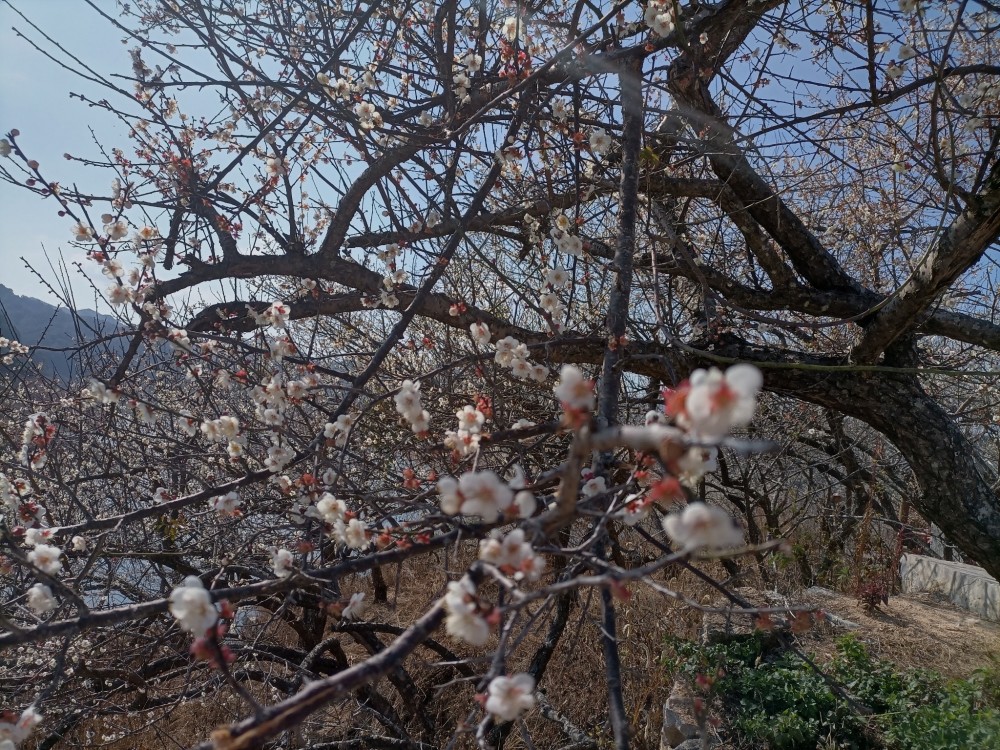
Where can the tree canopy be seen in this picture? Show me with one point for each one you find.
(335, 229)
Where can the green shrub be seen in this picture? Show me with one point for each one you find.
(776, 700)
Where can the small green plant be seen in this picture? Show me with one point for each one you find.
(776, 700)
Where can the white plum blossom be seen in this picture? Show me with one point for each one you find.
(45, 557)
(715, 403)
(355, 608)
(278, 457)
(368, 115)
(464, 442)
(470, 418)
(35, 536)
(512, 28)
(191, 605)
(513, 555)
(14, 733)
(509, 697)
(464, 618)
(353, 534)
(330, 509)
(407, 401)
(118, 295)
(505, 349)
(573, 390)
(226, 505)
(281, 562)
(701, 526)
(593, 486)
(520, 368)
(557, 278)
(599, 141)
(275, 167)
(475, 493)
(697, 462)
(636, 508)
(40, 599)
(79, 544)
(659, 17)
(480, 333)
(560, 110)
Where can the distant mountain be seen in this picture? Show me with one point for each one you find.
(36, 323)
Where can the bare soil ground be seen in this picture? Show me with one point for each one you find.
(913, 631)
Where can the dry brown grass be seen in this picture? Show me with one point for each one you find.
(574, 682)
(911, 631)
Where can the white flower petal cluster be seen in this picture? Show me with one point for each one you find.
(480, 333)
(100, 393)
(573, 390)
(337, 431)
(191, 604)
(409, 406)
(227, 505)
(513, 28)
(352, 534)
(14, 733)
(476, 493)
(659, 16)
(592, 485)
(281, 562)
(355, 608)
(465, 67)
(566, 242)
(513, 555)
(701, 526)
(38, 431)
(513, 354)
(465, 440)
(717, 402)
(509, 697)
(276, 315)
(465, 619)
(368, 115)
(40, 599)
(329, 509)
(45, 557)
(696, 463)
(599, 141)
(35, 536)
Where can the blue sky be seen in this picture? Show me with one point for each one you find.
(34, 98)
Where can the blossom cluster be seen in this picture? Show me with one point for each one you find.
(38, 434)
(343, 525)
(14, 732)
(711, 403)
(513, 555)
(408, 405)
(513, 354)
(191, 605)
(484, 495)
(659, 17)
(14, 349)
(509, 697)
(464, 441)
(467, 617)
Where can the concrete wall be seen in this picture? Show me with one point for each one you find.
(966, 586)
